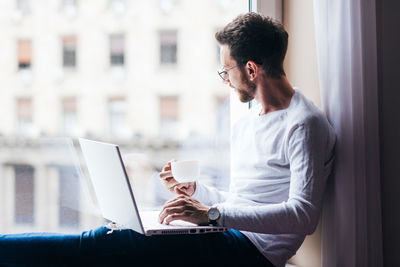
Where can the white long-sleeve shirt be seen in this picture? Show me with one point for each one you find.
(279, 168)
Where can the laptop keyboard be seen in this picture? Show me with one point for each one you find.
(150, 220)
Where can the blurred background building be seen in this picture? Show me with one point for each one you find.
(141, 74)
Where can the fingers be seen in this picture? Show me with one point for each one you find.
(184, 208)
(172, 187)
(176, 201)
(168, 166)
(175, 216)
(166, 174)
(168, 211)
(167, 178)
(177, 204)
(180, 192)
(182, 189)
(183, 186)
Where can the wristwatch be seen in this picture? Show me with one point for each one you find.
(213, 215)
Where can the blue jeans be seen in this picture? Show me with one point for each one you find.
(129, 248)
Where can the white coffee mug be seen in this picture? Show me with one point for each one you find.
(185, 170)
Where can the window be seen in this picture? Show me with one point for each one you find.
(69, 116)
(168, 116)
(117, 6)
(69, 4)
(24, 113)
(24, 6)
(68, 206)
(166, 5)
(69, 8)
(133, 94)
(117, 50)
(117, 113)
(24, 54)
(168, 47)
(24, 194)
(69, 52)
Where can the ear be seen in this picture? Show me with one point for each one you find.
(252, 69)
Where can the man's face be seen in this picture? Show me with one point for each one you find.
(237, 77)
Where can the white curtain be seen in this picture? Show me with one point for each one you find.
(347, 65)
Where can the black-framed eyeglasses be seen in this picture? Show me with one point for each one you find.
(223, 73)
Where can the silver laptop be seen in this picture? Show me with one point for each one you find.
(115, 195)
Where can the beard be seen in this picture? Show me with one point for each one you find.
(246, 92)
(244, 96)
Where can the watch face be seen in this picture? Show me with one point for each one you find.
(213, 214)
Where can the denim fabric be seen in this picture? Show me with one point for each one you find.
(128, 248)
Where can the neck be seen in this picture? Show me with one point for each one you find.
(274, 94)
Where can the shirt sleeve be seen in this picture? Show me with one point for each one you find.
(209, 195)
(309, 149)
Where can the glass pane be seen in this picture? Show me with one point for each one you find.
(69, 51)
(24, 113)
(69, 206)
(69, 3)
(24, 5)
(24, 54)
(24, 195)
(117, 50)
(167, 102)
(168, 47)
(117, 115)
(69, 116)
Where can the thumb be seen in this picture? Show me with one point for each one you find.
(180, 192)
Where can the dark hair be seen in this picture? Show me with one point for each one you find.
(252, 36)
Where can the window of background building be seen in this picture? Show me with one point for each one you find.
(168, 47)
(69, 3)
(24, 6)
(117, 5)
(166, 5)
(24, 54)
(24, 194)
(69, 116)
(68, 207)
(117, 116)
(69, 51)
(169, 108)
(69, 7)
(117, 58)
(24, 114)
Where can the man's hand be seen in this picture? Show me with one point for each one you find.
(184, 208)
(173, 185)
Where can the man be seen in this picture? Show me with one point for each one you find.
(282, 152)
(282, 149)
